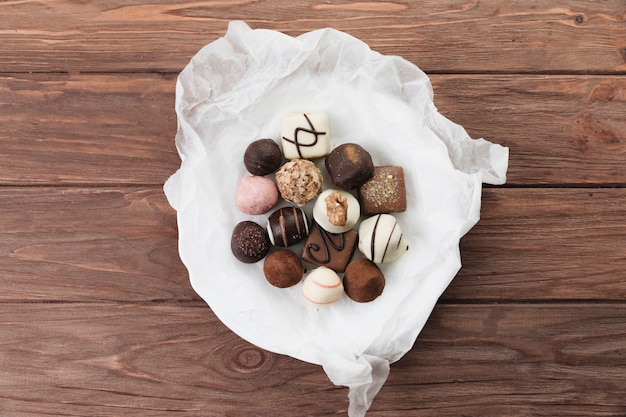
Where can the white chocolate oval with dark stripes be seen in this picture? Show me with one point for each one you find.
(381, 239)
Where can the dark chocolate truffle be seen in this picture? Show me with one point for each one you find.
(287, 226)
(282, 268)
(363, 281)
(262, 157)
(385, 192)
(332, 250)
(349, 166)
(249, 242)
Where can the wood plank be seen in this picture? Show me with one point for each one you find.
(64, 129)
(561, 130)
(160, 360)
(120, 244)
(440, 36)
(73, 244)
(545, 244)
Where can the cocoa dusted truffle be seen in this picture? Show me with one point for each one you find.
(262, 157)
(363, 281)
(249, 242)
(299, 181)
(282, 268)
(349, 166)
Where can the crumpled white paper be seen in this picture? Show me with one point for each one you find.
(235, 90)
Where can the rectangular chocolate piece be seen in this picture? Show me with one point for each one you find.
(385, 192)
(305, 135)
(332, 250)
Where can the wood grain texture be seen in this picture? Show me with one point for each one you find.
(163, 360)
(66, 129)
(537, 244)
(97, 315)
(119, 129)
(120, 244)
(452, 36)
(86, 244)
(561, 130)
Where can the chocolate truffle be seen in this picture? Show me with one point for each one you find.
(363, 281)
(256, 195)
(282, 268)
(299, 181)
(262, 157)
(332, 250)
(322, 287)
(287, 226)
(349, 166)
(336, 211)
(305, 135)
(249, 242)
(385, 192)
(381, 239)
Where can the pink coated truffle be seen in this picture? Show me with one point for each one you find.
(256, 195)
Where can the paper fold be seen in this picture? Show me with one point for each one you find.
(233, 91)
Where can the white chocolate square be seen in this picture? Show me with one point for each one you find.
(305, 135)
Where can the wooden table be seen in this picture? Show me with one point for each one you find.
(97, 314)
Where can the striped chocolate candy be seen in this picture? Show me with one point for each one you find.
(287, 226)
(381, 239)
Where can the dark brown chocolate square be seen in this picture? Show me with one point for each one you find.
(385, 192)
(332, 250)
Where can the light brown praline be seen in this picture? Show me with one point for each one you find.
(282, 268)
(363, 281)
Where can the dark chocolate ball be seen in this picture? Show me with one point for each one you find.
(282, 268)
(363, 281)
(349, 166)
(249, 242)
(262, 157)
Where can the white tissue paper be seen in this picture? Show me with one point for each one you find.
(234, 91)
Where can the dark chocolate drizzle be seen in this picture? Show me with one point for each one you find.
(373, 242)
(300, 129)
(327, 240)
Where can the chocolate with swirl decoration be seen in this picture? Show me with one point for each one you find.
(332, 250)
(305, 135)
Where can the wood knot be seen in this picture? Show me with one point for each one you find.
(248, 359)
(579, 19)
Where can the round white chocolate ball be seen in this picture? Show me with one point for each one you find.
(381, 239)
(322, 287)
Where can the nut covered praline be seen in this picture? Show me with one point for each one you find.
(299, 181)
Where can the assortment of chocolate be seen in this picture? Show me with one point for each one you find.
(359, 188)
